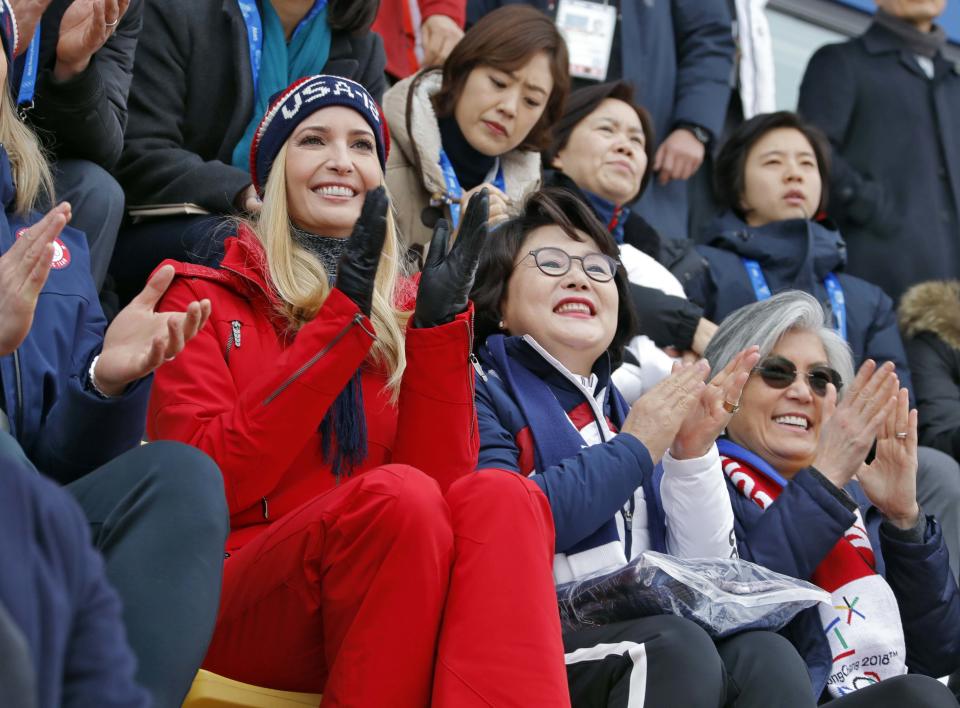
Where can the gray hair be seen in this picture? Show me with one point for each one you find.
(764, 323)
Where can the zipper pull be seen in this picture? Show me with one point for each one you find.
(628, 519)
(266, 508)
(235, 326)
(476, 365)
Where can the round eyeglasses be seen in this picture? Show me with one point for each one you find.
(555, 262)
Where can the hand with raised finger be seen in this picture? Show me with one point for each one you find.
(84, 29)
(357, 269)
(847, 429)
(657, 415)
(717, 405)
(890, 481)
(140, 339)
(23, 272)
(447, 278)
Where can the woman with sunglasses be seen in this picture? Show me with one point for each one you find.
(808, 505)
(772, 176)
(552, 317)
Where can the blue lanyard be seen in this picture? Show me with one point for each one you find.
(251, 18)
(838, 303)
(254, 24)
(454, 191)
(28, 81)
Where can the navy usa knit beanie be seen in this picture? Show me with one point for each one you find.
(290, 107)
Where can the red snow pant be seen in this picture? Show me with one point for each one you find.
(381, 592)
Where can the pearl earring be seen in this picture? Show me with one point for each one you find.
(502, 325)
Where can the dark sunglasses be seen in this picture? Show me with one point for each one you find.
(778, 372)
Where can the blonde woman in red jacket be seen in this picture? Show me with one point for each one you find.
(366, 560)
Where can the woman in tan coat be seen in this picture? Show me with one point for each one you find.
(479, 121)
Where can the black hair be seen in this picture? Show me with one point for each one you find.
(729, 174)
(547, 207)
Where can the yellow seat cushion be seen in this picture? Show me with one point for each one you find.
(212, 691)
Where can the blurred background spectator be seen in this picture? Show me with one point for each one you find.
(418, 33)
(896, 198)
(678, 57)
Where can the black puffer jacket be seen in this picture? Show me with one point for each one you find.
(192, 96)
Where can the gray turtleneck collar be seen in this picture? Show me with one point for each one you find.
(327, 249)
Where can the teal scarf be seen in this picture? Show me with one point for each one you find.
(281, 64)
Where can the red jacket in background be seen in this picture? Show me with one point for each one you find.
(252, 397)
(395, 25)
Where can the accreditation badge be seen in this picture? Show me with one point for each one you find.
(588, 28)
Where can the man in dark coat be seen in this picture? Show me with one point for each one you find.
(678, 56)
(78, 106)
(889, 101)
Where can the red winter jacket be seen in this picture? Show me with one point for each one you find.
(252, 397)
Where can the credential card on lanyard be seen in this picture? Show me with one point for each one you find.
(588, 29)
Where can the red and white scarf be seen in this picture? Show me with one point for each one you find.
(862, 624)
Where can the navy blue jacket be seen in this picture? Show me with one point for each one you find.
(54, 587)
(804, 523)
(794, 254)
(582, 509)
(896, 200)
(678, 56)
(65, 429)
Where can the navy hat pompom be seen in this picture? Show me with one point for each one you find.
(293, 105)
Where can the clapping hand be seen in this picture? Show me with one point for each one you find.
(357, 269)
(717, 405)
(447, 278)
(847, 429)
(499, 208)
(84, 29)
(23, 272)
(657, 415)
(890, 481)
(140, 339)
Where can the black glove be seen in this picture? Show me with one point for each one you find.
(447, 278)
(361, 256)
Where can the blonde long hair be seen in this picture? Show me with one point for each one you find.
(31, 171)
(303, 284)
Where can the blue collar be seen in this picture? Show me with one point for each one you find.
(607, 212)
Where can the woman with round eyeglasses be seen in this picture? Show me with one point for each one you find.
(552, 317)
(807, 504)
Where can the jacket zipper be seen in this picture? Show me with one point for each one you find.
(357, 320)
(19, 381)
(479, 369)
(233, 339)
